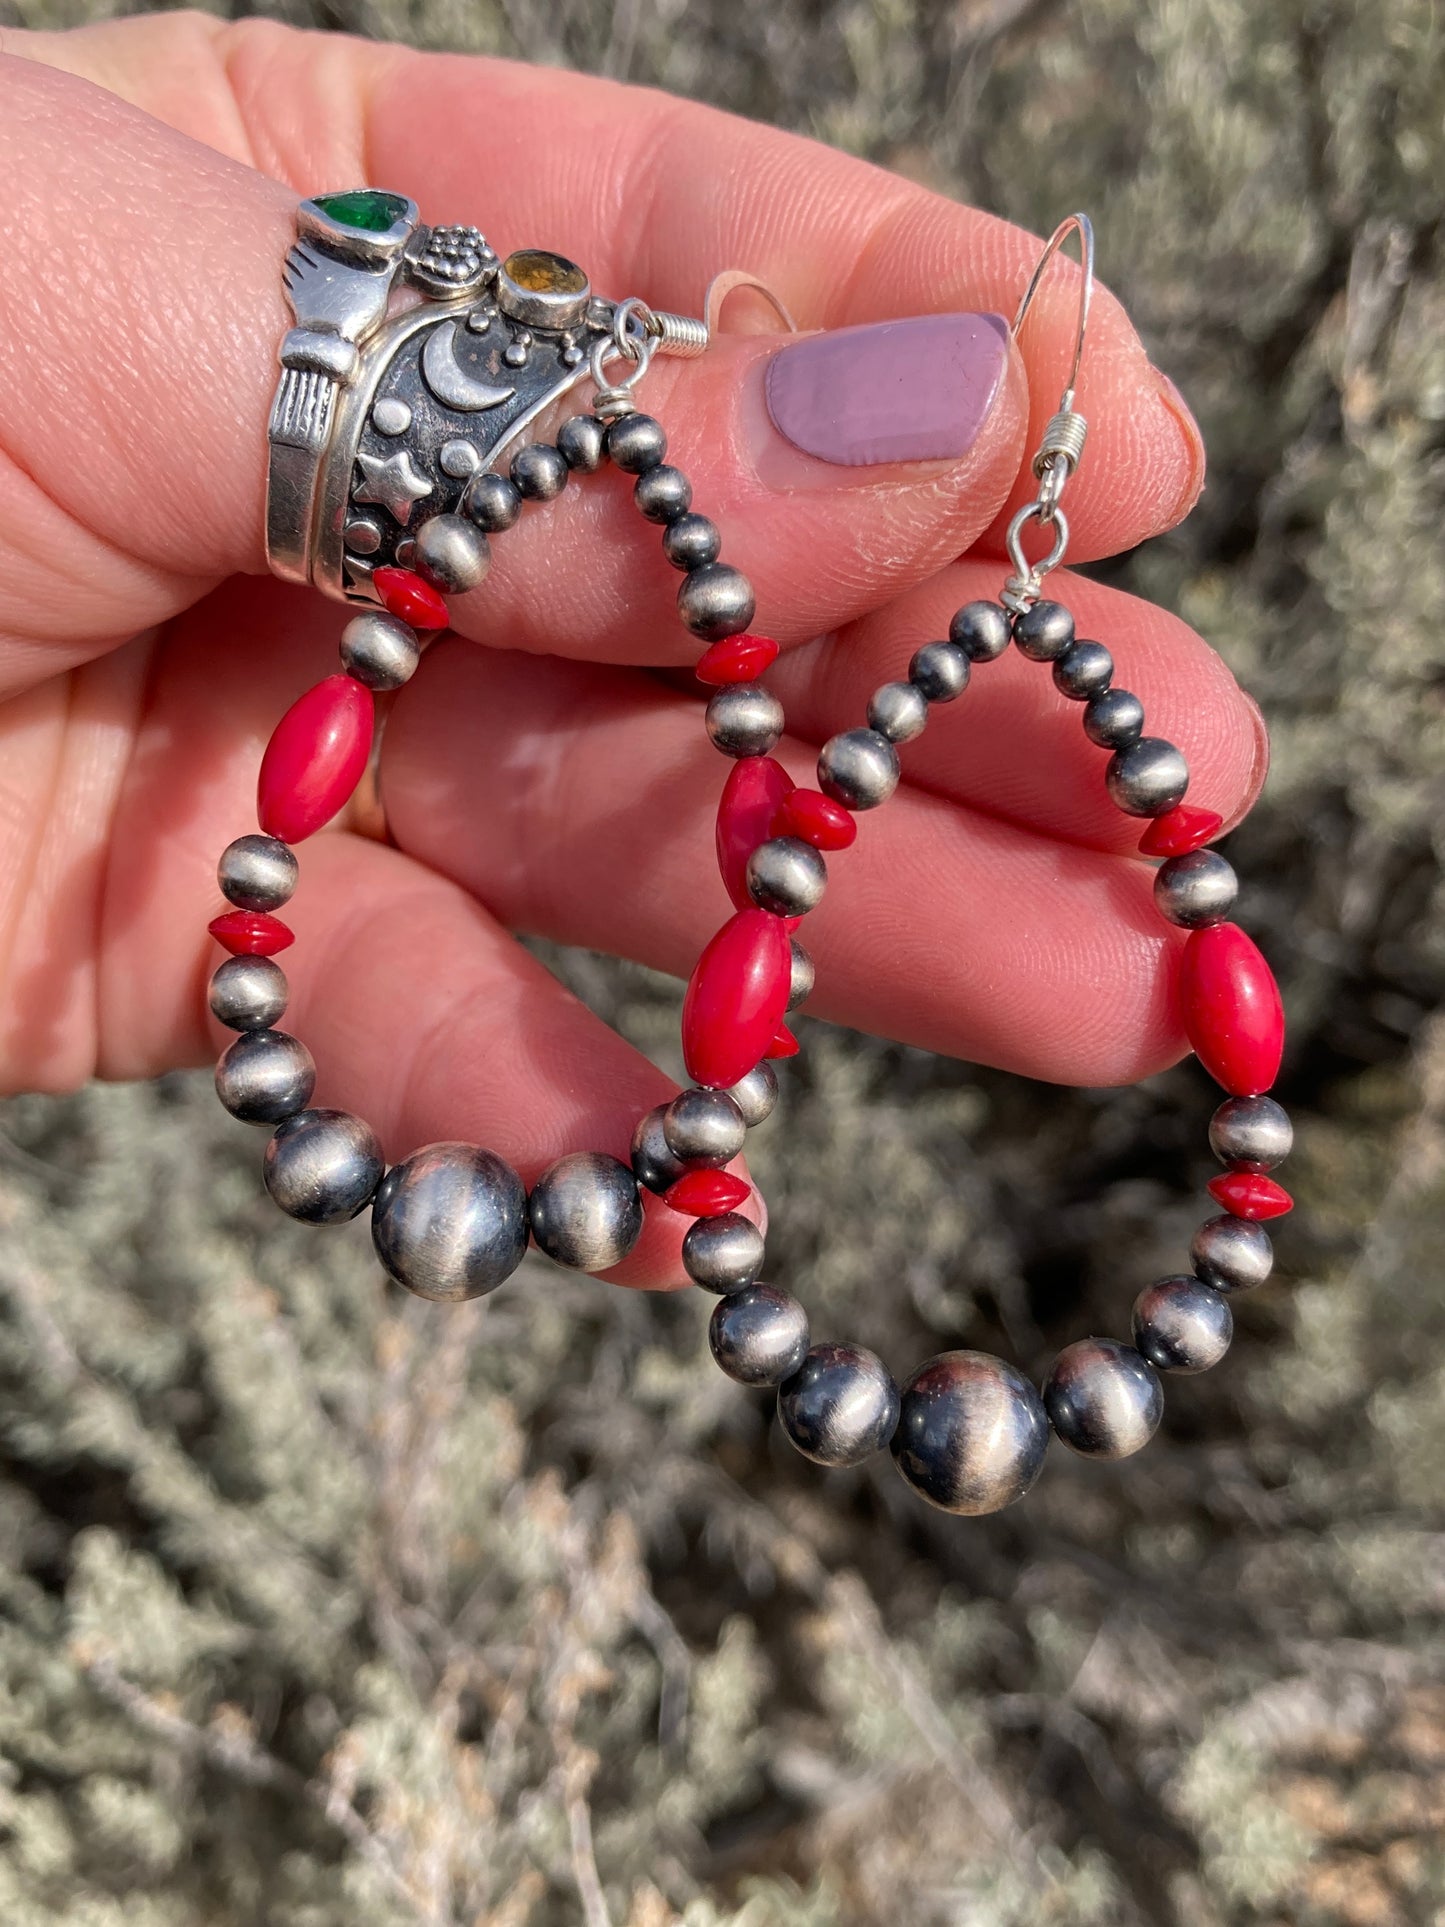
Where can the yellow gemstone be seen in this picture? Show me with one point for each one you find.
(542, 273)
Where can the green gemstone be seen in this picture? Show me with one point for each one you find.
(367, 208)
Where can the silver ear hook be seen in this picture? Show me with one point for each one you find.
(1081, 225)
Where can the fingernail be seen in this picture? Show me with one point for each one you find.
(894, 391)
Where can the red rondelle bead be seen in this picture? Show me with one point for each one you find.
(1180, 830)
(707, 1194)
(405, 596)
(735, 998)
(817, 819)
(755, 787)
(1249, 1194)
(784, 1044)
(315, 758)
(1232, 1010)
(736, 659)
(250, 933)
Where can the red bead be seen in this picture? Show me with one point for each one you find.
(1180, 830)
(1232, 1010)
(315, 758)
(784, 1044)
(405, 596)
(736, 998)
(736, 659)
(750, 799)
(250, 933)
(707, 1194)
(1249, 1194)
(817, 819)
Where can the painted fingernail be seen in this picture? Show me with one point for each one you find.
(894, 391)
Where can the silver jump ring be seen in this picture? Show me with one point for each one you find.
(1037, 512)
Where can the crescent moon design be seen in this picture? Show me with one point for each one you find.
(450, 382)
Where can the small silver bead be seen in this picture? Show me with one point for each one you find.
(758, 1335)
(653, 1164)
(981, 630)
(941, 671)
(636, 443)
(493, 503)
(257, 873)
(716, 600)
(691, 542)
(723, 1253)
(1250, 1130)
(971, 1433)
(787, 876)
(1103, 1399)
(586, 1213)
(379, 651)
(1114, 719)
(1148, 778)
(840, 1406)
(1182, 1325)
(450, 1222)
(757, 1093)
(248, 993)
(1084, 670)
(704, 1127)
(801, 978)
(451, 554)
(898, 710)
(264, 1076)
(1196, 889)
(323, 1166)
(744, 719)
(1232, 1254)
(582, 443)
(663, 494)
(858, 768)
(1044, 632)
(538, 472)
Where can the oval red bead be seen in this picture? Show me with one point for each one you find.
(1180, 830)
(251, 933)
(735, 998)
(755, 787)
(1232, 1009)
(736, 659)
(1250, 1194)
(405, 596)
(315, 758)
(707, 1194)
(817, 819)
(784, 1044)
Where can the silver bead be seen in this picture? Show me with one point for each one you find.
(744, 719)
(692, 542)
(1196, 889)
(858, 768)
(248, 993)
(493, 503)
(379, 651)
(756, 1094)
(840, 1406)
(1232, 1254)
(1148, 778)
(898, 710)
(981, 630)
(663, 494)
(716, 600)
(704, 1127)
(257, 873)
(1044, 632)
(1250, 1130)
(723, 1253)
(538, 472)
(653, 1164)
(582, 443)
(451, 554)
(1084, 670)
(636, 443)
(801, 977)
(323, 1166)
(1182, 1325)
(1114, 719)
(787, 876)
(586, 1213)
(264, 1076)
(759, 1335)
(450, 1222)
(1103, 1399)
(971, 1433)
(940, 670)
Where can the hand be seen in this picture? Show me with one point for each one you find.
(550, 780)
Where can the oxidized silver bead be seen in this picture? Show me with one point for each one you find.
(723, 1253)
(1103, 1399)
(323, 1166)
(1232, 1254)
(1182, 1325)
(981, 630)
(971, 1433)
(898, 710)
(704, 1127)
(1114, 719)
(492, 502)
(248, 993)
(450, 1222)
(663, 494)
(586, 1213)
(1044, 632)
(264, 1076)
(840, 1406)
(940, 670)
(636, 443)
(582, 443)
(1196, 889)
(1148, 778)
(787, 876)
(691, 542)
(451, 554)
(858, 768)
(538, 472)
(379, 650)
(257, 873)
(716, 600)
(1251, 1130)
(1084, 670)
(801, 976)
(653, 1164)
(758, 1335)
(756, 1094)
(744, 719)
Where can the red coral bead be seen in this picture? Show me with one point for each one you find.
(1249, 1194)
(736, 659)
(817, 819)
(707, 1194)
(250, 933)
(784, 1044)
(1232, 1009)
(405, 596)
(1180, 830)
(750, 799)
(315, 758)
(736, 998)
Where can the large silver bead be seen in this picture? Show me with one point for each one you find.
(663, 494)
(756, 1094)
(1232, 1254)
(858, 768)
(538, 472)
(723, 1253)
(940, 671)
(248, 993)
(716, 600)
(636, 443)
(451, 554)
(264, 1076)
(1251, 1130)
(492, 502)
(898, 710)
(323, 1166)
(586, 1213)
(1148, 778)
(582, 443)
(840, 1406)
(691, 542)
(1044, 632)
(1084, 669)
(1196, 889)
(759, 1335)
(704, 1127)
(1103, 1399)
(653, 1163)
(1114, 719)
(801, 976)
(744, 719)
(787, 876)
(257, 873)
(379, 651)
(1182, 1325)
(981, 630)
(450, 1222)
(972, 1433)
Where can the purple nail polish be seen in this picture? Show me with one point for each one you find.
(917, 390)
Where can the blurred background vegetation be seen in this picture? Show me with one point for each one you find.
(322, 1609)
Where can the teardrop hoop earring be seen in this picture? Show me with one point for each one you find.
(378, 409)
